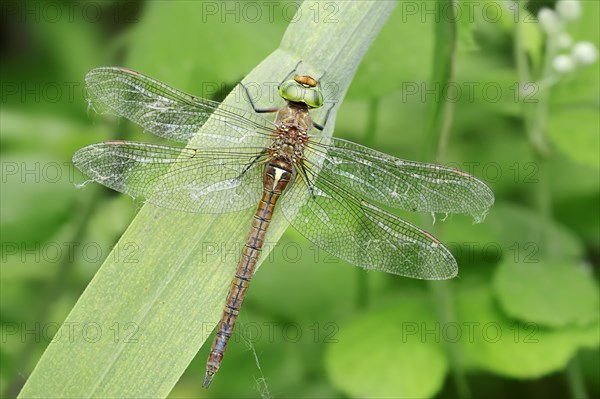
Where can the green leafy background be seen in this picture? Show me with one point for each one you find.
(520, 320)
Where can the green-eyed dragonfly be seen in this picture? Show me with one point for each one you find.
(324, 186)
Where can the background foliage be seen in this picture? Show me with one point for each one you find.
(521, 319)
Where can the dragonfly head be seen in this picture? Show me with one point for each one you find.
(302, 89)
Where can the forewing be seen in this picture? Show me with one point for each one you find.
(406, 185)
(168, 112)
(362, 234)
(183, 179)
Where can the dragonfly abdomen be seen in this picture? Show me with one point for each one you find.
(278, 174)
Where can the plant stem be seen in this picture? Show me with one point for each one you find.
(362, 282)
(535, 117)
(445, 132)
(440, 124)
(534, 113)
(575, 379)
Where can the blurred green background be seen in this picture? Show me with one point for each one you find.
(522, 318)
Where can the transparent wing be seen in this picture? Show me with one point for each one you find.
(407, 185)
(362, 234)
(183, 179)
(168, 112)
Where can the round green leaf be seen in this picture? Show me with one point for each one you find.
(523, 349)
(389, 353)
(554, 294)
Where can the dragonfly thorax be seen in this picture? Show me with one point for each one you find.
(289, 146)
(293, 123)
(294, 115)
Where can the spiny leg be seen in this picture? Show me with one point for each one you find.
(319, 126)
(268, 110)
(303, 171)
(289, 75)
(254, 107)
(254, 160)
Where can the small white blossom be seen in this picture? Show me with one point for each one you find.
(568, 10)
(563, 63)
(584, 53)
(564, 41)
(550, 22)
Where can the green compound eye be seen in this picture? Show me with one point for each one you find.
(302, 89)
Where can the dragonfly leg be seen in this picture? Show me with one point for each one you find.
(289, 75)
(321, 78)
(254, 107)
(320, 126)
(254, 160)
(268, 110)
(309, 185)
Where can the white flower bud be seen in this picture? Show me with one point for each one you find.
(563, 63)
(550, 22)
(564, 41)
(568, 10)
(584, 53)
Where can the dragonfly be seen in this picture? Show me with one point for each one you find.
(326, 187)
